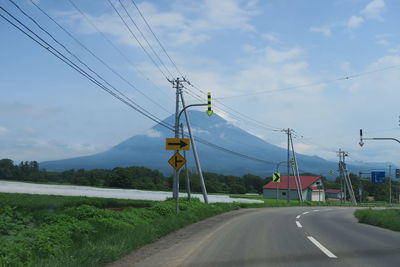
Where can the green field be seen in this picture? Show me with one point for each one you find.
(387, 218)
(40, 230)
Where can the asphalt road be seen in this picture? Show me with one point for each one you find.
(296, 236)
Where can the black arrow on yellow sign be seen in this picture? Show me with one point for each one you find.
(177, 144)
(276, 177)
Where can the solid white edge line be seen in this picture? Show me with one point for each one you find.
(298, 224)
(321, 247)
(298, 216)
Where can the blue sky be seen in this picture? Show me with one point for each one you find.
(229, 47)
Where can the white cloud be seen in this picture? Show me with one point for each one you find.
(18, 109)
(276, 56)
(270, 37)
(192, 24)
(374, 9)
(354, 22)
(153, 133)
(3, 131)
(325, 30)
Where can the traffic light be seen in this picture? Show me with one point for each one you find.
(209, 111)
(397, 173)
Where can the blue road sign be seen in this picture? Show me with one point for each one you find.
(377, 176)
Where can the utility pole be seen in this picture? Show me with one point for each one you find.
(177, 84)
(196, 157)
(346, 177)
(186, 168)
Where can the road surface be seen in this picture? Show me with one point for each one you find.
(295, 236)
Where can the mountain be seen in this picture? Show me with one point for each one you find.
(148, 150)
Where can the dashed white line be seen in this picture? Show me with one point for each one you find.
(306, 212)
(298, 224)
(315, 210)
(298, 216)
(321, 247)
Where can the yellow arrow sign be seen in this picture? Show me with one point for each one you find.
(177, 161)
(276, 177)
(177, 144)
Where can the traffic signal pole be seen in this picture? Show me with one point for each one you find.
(196, 156)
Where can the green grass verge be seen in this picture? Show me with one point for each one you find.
(39, 230)
(387, 218)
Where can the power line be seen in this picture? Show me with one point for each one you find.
(119, 51)
(135, 37)
(344, 78)
(88, 50)
(35, 37)
(144, 37)
(158, 41)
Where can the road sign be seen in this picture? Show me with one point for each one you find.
(276, 177)
(177, 144)
(177, 161)
(378, 176)
(397, 173)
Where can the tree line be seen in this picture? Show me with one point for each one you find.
(131, 178)
(147, 179)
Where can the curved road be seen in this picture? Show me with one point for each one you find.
(295, 236)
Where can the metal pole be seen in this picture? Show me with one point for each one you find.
(196, 157)
(277, 170)
(296, 171)
(390, 184)
(288, 165)
(186, 168)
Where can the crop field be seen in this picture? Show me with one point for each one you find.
(42, 230)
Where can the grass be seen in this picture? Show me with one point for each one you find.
(387, 218)
(44, 230)
(40, 230)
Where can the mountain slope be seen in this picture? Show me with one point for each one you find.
(148, 150)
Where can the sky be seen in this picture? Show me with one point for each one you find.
(283, 63)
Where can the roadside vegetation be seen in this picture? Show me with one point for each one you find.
(387, 218)
(37, 230)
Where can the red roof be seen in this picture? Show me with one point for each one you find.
(332, 191)
(306, 181)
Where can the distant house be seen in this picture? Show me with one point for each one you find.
(312, 188)
(333, 194)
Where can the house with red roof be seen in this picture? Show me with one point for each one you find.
(312, 188)
(333, 194)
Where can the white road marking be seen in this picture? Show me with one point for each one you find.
(298, 224)
(321, 247)
(305, 212)
(315, 210)
(298, 216)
